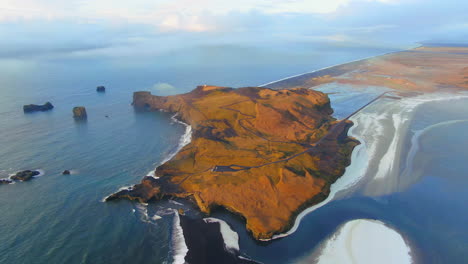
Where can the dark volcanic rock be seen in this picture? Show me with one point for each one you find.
(66, 172)
(25, 175)
(101, 89)
(79, 112)
(5, 181)
(35, 108)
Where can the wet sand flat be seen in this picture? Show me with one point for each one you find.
(424, 69)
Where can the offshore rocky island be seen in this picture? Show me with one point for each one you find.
(260, 153)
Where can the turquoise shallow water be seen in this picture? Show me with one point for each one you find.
(60, 218)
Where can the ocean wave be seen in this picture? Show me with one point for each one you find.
(230, 237)
(179, 247)
(41, 173)
(363, 241)
(128, 188)
(142, 211)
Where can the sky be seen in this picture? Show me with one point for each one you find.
(100, 27)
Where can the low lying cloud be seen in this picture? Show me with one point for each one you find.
(164, 88)
(79, 28)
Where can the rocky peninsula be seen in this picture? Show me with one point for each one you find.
(260, 153)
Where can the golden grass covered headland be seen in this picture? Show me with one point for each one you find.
(260, 153)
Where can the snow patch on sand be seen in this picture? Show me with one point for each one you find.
(363, 241)
(231, 238)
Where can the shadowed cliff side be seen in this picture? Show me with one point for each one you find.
(260, 153)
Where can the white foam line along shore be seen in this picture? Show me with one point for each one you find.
(231, 238)
(179, 247)
(329, 67)
(185, 139)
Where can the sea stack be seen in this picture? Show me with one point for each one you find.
(24, 175)
(35, 108)
(79, 113)
(101, 89)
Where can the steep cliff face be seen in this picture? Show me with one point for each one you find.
(260, 153)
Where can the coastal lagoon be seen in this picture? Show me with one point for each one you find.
(61, 218)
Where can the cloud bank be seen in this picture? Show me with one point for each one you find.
(78, 27)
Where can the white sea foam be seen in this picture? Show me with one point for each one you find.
(142, 209)
(155, 217)
(152, 173)
(41, 173)
(165, 211)
(363, 241)
(179, 247)
(184, 140)
(129, 188)
(230, 238)
(174, 202)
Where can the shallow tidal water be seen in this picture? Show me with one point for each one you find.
(62, 219)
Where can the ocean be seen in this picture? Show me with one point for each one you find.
(59, 218)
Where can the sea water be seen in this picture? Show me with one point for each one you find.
(61, 218)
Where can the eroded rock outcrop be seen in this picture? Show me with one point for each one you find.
(25, 175)
(260, 153)
(79, 113)
(37, 108)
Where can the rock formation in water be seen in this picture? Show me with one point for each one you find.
(37, 108)
(5, 181)
(79, 113)
(25, 175)
(101, 89)
(262, 154)
(66, 172)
